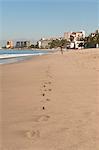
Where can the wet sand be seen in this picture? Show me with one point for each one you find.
(51, 102)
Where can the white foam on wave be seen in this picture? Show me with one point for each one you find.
(12, 58)
(4, 56)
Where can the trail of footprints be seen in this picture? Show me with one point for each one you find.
(46, 87)
(45, 93)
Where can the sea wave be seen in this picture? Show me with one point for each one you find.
(11, 56)
(4, 56)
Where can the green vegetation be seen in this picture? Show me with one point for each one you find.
(34, 46)
(89, 42)
(92, 40)
(58, 43)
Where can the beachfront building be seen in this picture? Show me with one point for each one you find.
(75, 39)
(76, 35)
(23, 44)
(97, 31)
(67, 35)
(44, 43)
(94, 33)
(9, 44)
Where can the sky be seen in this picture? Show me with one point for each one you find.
(33, 19)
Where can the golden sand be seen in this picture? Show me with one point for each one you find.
(51, 102)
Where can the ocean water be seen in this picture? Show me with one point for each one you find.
(12, 56)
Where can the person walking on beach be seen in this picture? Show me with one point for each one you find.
(61, 50)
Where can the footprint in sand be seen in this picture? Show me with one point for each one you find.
(50, 76)
(47, 99)
(32, 134)
(50, 89)
(44, 85)
(43, 108)
(41, 118)
(45, 90)
(44, 118)
(49, 82)
(43, 94)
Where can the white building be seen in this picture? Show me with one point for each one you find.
(39, 44)
(9, 44)
(75, 38)
(44, 43)
(23, 44)
(67, 35)
(76, 35)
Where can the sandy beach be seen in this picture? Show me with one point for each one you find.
(51, 102)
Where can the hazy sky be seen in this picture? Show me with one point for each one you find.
(33, 19)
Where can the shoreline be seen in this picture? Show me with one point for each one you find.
(11, 57)
(23, 57)
(51, 102)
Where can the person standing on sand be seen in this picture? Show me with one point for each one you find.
(61, 50)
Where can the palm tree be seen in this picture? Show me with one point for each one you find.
(58, 43)
(92, 41)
